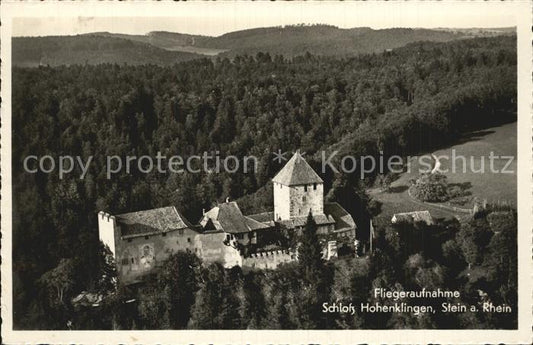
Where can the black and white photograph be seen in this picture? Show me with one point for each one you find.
(214, 166)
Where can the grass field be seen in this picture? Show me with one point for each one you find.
(475, 147)
(196, 50)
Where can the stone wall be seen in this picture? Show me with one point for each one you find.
(301, 201)
(137, 256)
(106, 230)
(281, 201)
(268, 259)
(296, 201)
(211, 248)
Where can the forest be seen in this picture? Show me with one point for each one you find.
(409, 100)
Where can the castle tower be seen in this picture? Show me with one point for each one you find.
(297, 190)
(107, 227)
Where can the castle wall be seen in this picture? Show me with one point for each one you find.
(324, 229)
(138, 256)
(211, 248)
(301, 201)
(268, 260)
(247, 238)
(106, 230)
(281, 201)
(296, 201)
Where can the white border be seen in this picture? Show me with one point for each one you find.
(391, 12)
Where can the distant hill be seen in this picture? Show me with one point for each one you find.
(91, 49)
(164, 48)
(170, 41)
(322, 40)
(480, 32)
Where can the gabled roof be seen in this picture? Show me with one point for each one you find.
(334, 213)
(254, 224)
(343, 219)
(157, 220)
(264, 217)
(320, 219)
(297, 172)
(229, 218)
(415, 216)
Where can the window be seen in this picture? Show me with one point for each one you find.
(129, 239)
(305, 188)
(146, 237)
(314, 186)
(303, 198)
(188, 239)
(164, 234)
(180, 232)
(125, 261)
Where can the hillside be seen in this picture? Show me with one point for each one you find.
(165, 48)
(92, 50)
(323, 40)
(295, 40)
(171, 41)
(476, 147)
(478, 32)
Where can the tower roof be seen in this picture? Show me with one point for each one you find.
(297, 172)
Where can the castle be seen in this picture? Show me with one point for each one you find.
(140, 240)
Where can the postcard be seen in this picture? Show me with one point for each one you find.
(266, 172)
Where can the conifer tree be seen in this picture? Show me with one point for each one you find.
(315, 280)
(310, 253)
(217, 306)
(209, 299)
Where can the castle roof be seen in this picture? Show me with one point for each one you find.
(297, 172)
(228, 217)
(264, 217)
(149, 222)
(343, 219)
(334, 213)
(320, 219)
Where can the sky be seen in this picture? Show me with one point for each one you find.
(217, 18)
